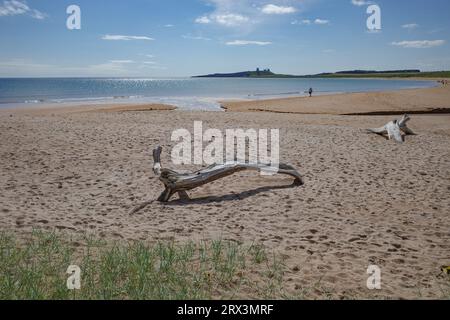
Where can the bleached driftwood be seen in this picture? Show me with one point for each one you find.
(394, 129)
(175, 182)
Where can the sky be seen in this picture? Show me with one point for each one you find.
(178, 38)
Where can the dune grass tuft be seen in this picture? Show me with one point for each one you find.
(36, 269)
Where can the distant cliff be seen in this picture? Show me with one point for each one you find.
(266, 73)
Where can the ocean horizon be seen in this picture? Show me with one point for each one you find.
(184, 93)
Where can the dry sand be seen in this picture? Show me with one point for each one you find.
(394, 102)
(365, 200)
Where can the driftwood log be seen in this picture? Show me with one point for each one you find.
(394, 129)
(179, 183)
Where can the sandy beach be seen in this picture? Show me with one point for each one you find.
(395, 102)
(365, 201)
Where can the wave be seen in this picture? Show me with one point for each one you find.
(85, 99)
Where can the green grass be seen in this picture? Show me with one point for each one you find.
(36, 269)
(424, 75)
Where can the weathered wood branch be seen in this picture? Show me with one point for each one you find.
(176, 182)
(394, 129)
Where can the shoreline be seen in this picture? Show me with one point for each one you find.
(412, 101)
(227, 104)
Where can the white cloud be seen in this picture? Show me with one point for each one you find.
(247, 42)
(309, 22)
(191, 37)
(228, 19)
(360, 3)
(12, 8)
(410, 26)
(303, 22)
(419, 44)
(38, 15)
(169, 25)
(203, 20)
(231, 20)
(321, 21)
(125, 38)
(274, 9)
(20, 7)
(121, 61)
(247, 14)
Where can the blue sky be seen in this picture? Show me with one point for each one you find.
(149, 38)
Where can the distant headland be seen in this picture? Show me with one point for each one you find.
(267, 73)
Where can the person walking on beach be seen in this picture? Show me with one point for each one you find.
(310, 92)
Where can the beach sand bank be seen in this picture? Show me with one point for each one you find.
(48, 109)
(394, 102)
(365, 200)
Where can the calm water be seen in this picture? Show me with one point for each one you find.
(183, 92)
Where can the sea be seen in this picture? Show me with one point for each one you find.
(185, 93)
